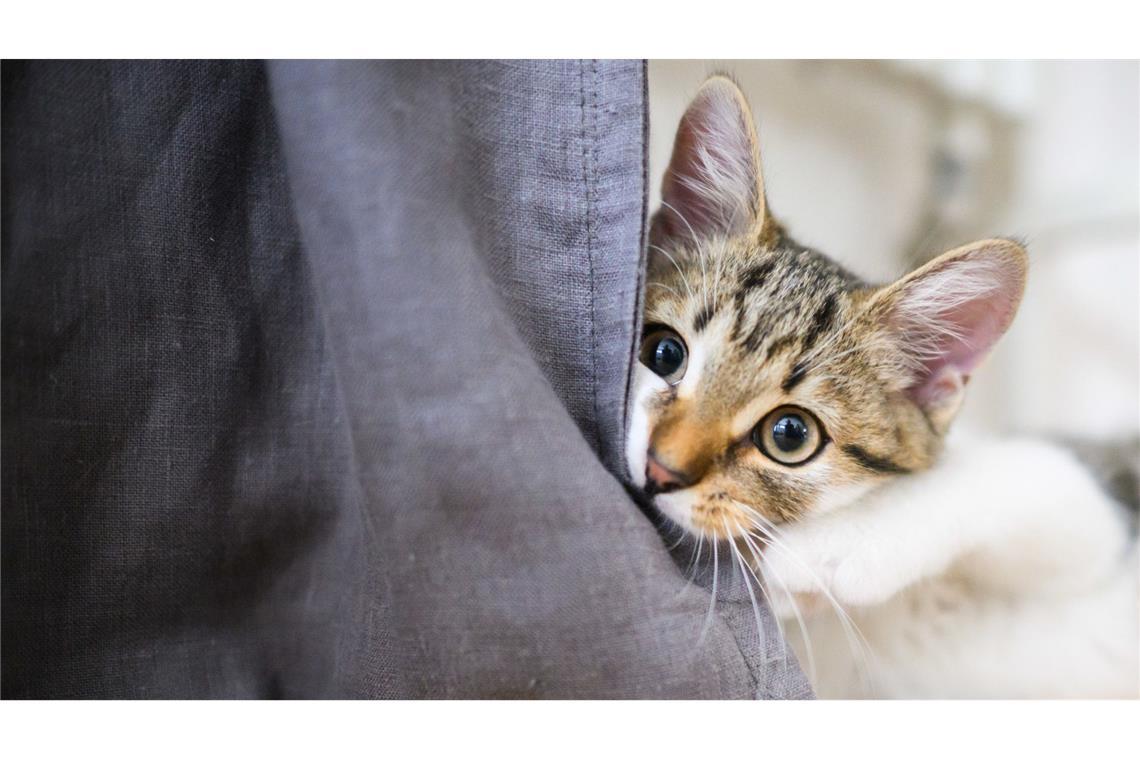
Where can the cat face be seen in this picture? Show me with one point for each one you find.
(772, 384)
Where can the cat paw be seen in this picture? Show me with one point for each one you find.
(797, 571)
(852, 573)
(864, 579)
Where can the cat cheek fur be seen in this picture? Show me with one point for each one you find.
(645, 385)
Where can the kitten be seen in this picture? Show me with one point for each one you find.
(797, 417)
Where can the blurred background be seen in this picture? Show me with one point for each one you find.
(883, 165)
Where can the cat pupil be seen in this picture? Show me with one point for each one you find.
(668, 356)
(789, 433)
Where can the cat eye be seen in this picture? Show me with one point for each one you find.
(789, 435)
(663, 351)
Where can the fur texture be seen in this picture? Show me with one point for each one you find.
(987, 570)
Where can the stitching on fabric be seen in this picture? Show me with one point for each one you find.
(639, 282)
(589, 158)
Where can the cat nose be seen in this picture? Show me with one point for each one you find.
(661, 479)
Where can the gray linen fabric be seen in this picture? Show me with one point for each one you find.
(314, 385)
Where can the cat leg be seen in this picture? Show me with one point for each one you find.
(1015, 516)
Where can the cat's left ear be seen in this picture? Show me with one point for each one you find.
(713, 185)
(945, 317)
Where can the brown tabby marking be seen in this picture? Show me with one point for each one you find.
(788, 315)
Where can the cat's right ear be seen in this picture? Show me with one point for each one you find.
(945, 317)
(713, 185)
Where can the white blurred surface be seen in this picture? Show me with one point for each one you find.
(882, 165)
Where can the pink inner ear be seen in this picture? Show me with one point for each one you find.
(686, 188)
(978, 325)
(710, 186)
(952, 318)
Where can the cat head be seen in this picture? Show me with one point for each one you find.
(772, 383)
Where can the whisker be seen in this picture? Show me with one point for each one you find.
(747, 584)
(694, 565)
(696, 240)
(681, 272)
(759, 626)
(697, 243)
(663, 286)
(755, 552)
(680, 540)
(858, 643)
(712, 596)
(809, 648)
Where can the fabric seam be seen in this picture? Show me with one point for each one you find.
(589, 149)
(639, 282)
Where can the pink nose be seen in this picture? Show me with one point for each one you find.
(660, 479)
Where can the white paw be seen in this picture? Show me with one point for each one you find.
(797, 570)
(865, 578)
(853, 571)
